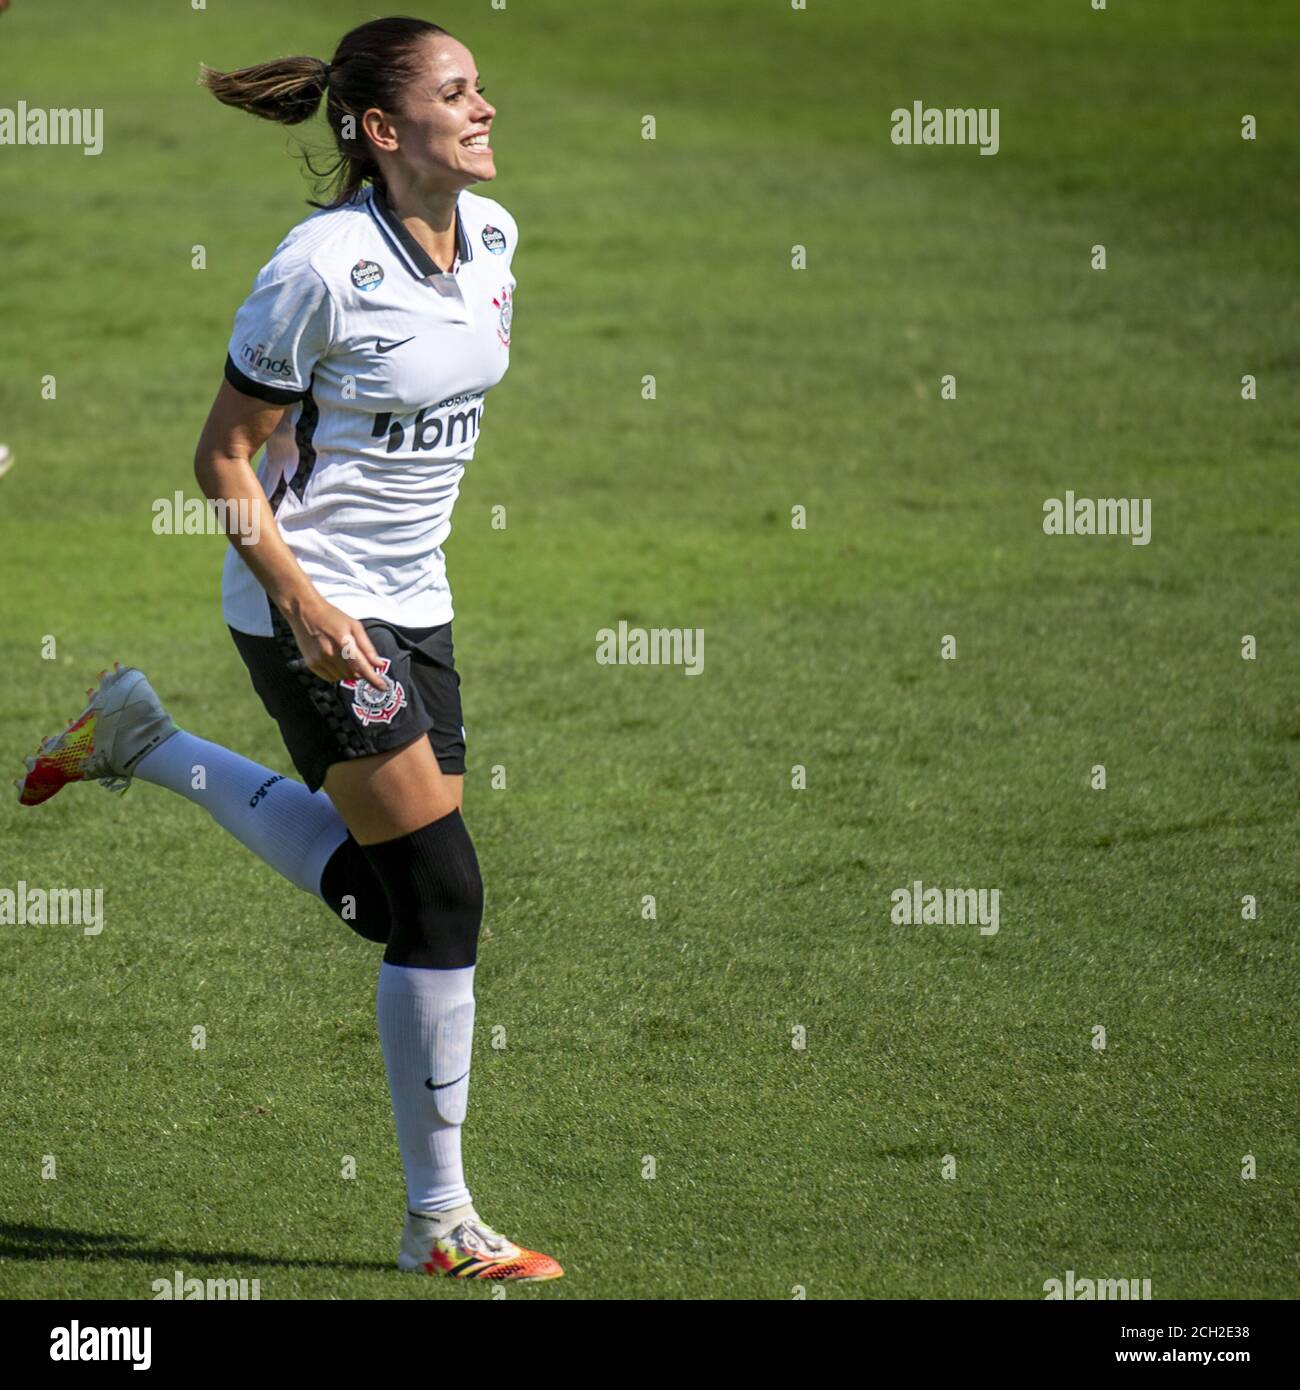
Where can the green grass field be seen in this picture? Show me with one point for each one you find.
(776, 1167)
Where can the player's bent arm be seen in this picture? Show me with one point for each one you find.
(236, 428)
(334, 646)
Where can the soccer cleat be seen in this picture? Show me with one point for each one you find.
(6, 459)
(469, 1250)
(123, 721)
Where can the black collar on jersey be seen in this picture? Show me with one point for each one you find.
(418, 260)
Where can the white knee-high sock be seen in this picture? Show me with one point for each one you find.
(293, 830)
(426, 1028)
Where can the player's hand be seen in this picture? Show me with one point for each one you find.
(334, 646)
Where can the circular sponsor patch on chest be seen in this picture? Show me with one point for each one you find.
(366, 275)
(494, 239)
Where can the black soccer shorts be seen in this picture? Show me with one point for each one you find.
(323, 723)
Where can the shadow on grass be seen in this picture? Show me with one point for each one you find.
(53, 1243)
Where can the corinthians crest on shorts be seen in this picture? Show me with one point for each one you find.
(373, 706)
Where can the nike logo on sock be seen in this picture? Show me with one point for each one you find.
(442, 1085)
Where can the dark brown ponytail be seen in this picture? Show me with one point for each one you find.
(371, 67)
(287, 90)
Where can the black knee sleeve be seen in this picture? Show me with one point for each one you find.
(353, 891)
(435, 895)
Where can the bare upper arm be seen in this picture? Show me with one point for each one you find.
(237, 426)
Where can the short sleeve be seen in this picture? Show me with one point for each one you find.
(511, 228)
(512, 233)
(281, 331)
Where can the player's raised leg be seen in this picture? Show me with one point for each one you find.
(126, 733)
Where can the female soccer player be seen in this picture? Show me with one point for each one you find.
(360, 359)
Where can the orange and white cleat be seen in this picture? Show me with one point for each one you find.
(124, 720)
(469, 1249)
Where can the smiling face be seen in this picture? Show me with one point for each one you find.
(440, 134)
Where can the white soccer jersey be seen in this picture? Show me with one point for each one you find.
(385, 360)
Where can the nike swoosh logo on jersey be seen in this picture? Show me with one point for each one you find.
(381, 346)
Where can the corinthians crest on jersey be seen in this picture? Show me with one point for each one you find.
(373, 706)
(505, 312)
